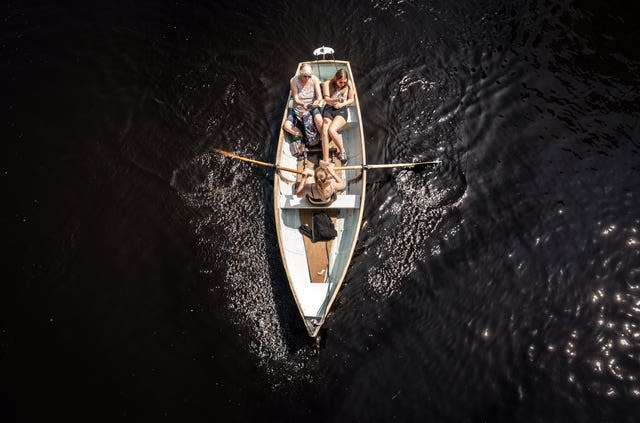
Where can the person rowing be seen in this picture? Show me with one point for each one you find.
(320, 186)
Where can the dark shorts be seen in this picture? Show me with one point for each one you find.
(330, 112)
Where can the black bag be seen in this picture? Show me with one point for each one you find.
(306, 230)
(321, 229)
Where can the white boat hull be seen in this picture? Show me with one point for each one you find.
(313, 298)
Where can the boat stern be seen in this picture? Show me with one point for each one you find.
(313, 325)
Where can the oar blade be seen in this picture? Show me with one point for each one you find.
(244, 159)
(222, 152)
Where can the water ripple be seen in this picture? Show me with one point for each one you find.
(232, 229)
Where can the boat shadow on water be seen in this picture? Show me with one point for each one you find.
(293, 332)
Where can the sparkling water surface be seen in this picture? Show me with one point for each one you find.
(145, 280)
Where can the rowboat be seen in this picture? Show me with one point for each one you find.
(316, 270)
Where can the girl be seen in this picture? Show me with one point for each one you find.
(321, 187)
(337, 93)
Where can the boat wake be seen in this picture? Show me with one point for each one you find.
(223, 195)
(411, 203)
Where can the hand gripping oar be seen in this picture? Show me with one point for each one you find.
(385, 166)
(257, 162)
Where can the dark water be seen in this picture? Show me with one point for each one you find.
(143, 275)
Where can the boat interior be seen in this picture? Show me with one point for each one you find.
(316, 269)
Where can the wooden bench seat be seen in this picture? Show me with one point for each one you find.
(344, 201)
(352, 117)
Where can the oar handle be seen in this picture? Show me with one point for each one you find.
(358, 167)
(287, 169)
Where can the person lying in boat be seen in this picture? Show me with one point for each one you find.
(337, 93)
(305, 90)
(320, 186)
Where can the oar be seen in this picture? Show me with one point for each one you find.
(259, 163)
(385, 166)
(354, 167)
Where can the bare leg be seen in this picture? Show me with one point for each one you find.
(336, 125)
(291, 129)
(317, 121)
(325, 139)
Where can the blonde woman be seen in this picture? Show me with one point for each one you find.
(337, 93)
(321, 187)
(306, 93)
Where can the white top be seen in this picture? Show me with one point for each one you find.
(306, 93)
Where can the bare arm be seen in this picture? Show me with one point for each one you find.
(325, 94)
(351, 96)
(339, 184)
(318, 96)
(307, 178)
(294, 93)
(349, 100)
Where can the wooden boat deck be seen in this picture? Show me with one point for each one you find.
(317, 252)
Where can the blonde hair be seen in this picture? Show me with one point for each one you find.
(306, 70)
(333, 84)
(322, 181)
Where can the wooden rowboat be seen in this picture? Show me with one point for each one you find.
(316, 270)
